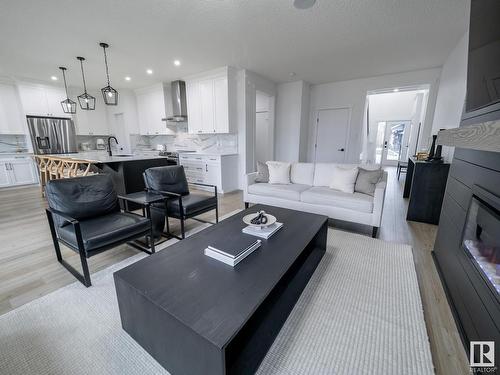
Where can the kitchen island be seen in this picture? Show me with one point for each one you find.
(125, 170)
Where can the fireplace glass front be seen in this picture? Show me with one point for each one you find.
(481, 241)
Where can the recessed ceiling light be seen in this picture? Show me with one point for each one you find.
(149, 71)
(177, 62)
(127, 78)
(303, 4)
(395, 90)
(54, 78)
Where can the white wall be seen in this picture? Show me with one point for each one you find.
(248, 83)
(352, 94)
(451, 94)
(292, 113)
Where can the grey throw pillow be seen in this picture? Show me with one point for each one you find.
(262, 172)
(366, 181)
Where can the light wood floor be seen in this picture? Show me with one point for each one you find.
(28, 268)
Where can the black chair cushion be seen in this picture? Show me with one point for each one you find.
(192, 204)
(82, 197)
(105, 230)
(170, 178)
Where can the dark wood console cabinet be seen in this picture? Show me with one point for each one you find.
(425, 184)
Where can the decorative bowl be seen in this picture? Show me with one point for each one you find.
(248, 220)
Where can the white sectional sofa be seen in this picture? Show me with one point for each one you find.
(309, 191)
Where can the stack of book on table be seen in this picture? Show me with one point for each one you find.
(264, 232)
(232, 249)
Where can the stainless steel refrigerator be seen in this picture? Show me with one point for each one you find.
(50, 135)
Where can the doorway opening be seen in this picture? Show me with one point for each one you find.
(264, 127)
(394, 119)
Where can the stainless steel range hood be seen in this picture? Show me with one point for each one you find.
(179, 107)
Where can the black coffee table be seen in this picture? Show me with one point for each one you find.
(196, 315)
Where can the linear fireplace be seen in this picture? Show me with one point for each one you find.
(481, 237)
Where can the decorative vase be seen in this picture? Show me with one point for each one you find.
(433, 148)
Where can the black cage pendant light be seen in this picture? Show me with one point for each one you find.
(68, 105)
(87, 102)
(109, 94)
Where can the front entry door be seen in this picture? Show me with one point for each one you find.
(331, 135)
(395, 142)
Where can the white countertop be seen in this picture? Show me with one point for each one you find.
(208, 153)
(105, 158)
(15, 155)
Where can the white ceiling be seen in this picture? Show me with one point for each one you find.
(334, 40)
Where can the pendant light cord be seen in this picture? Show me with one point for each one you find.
(65, 85)
(83, 77)
(106, 63)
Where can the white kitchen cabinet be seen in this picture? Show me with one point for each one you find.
(42, 100)
(93, 122)
(194, 107)
(221, 105)
(4, 174)
(23, 172)
(207, 102)
(151, 110)
(55, 96)
(211, 102)
(17, 171)
(218, 170)
(12, 120)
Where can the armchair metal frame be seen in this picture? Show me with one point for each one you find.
(181, 217)
(85, 277)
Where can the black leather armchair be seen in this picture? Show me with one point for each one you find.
(181, 204)
(84, 214)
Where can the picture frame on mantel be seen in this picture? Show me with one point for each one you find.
(484, 136)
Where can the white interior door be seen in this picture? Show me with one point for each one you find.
(331, 135)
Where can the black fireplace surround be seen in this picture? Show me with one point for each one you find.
(467, 248)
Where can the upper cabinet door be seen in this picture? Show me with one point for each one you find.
(221, 105)
(55, 96)
(12, 120)
(193, 98)
(157, 105)
(212, 102)
(207, 106)
(34, 100)
(92, 122)
(151, 110)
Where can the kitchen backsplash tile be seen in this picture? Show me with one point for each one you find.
(88, 142)
(219, 143)
(13, 143)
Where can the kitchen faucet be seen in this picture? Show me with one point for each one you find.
(110, 153)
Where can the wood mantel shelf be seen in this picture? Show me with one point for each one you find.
(483, 136)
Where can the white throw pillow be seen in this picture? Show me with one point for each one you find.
(279, 172)
(344, 179)
(302, 173)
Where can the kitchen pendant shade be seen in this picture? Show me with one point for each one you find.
(68, 105)
(109, 94)
(87, 102)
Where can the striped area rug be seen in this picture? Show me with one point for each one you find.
(361, 313)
